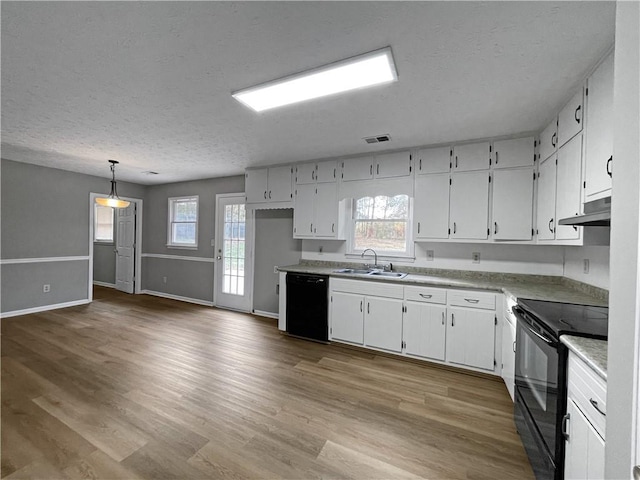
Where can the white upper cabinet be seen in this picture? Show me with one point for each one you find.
(546, 206)
(599, 138)
(570, 119)
(513, 204)
(431, 206)
(305, 173)
(303, 212)
(568, 191)
(326, 212)
(518, 152)
(322, 172)
(327, 171)
(396, 164)
(434, 160)
(549, 140)
(469, 205)
(255, 185)
(279, 184)
(357, 169)
(474, 156)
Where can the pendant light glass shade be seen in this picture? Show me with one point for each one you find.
(113, 200)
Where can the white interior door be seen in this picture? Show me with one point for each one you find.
(125, 240)
(234, 247)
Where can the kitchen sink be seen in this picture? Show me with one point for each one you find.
(388, 274)
(355, 271)
(370, 272)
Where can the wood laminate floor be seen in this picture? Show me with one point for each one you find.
(140, 387)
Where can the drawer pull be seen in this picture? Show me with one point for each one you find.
(424, 295)
(565, 422)
(595, 405)
(472, 300)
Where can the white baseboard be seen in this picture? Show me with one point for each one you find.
(178, 297)
(44, 308)
(104, 284)
(262, 313)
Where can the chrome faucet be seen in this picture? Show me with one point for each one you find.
(375, 256)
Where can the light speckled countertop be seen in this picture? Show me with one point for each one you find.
(536, 287)
(592, 351)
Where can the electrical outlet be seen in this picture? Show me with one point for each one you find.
(46, 288)
(585, 265)
(275, 269)
(164, 279)
(429, 255)
(475, 257)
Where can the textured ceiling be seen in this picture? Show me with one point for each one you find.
(148, 83)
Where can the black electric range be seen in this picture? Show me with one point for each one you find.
(541, 375)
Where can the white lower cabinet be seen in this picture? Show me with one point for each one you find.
(471, 338)
(509, 355)
(424, 329)
(584, 423)
(383, 323)
(417, 322)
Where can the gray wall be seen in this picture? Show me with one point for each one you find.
(275, 245)
(185, 278)
(45, 213)
(104, 263)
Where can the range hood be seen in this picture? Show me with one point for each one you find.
(596, 214)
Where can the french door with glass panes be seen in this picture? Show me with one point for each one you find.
(233, 253)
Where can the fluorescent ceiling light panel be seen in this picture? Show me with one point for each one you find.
(373, 68)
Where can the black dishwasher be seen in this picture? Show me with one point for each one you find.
(307, 306)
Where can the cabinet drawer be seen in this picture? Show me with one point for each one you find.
(425, 294)
(461, 298)
(363, 287)
(589, 391)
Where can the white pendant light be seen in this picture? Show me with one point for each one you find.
(113, 200)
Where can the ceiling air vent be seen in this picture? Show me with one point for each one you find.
(378, 138)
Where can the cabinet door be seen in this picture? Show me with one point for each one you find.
(326, 210)
(513, 204)
(347, 317)
(393, 165)
(570, 119)
(434, 160)
(549, 140)
(595, 455)
(327, 171)
(305, 173)
(424, 329)
(357, 169)
(508, 355)
(280, 184)
(431, 207)
(514, 153)
(469, 205)
(568, 191)
(576, 446)
(383, 323)
(599, 142)
(255, 185)
(546, 204)
(474, 156)
(471, 338)
(303, 211)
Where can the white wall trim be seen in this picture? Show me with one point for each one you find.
(44, 308)
(170, 296)
(104, 284)
(15, 261)
(262, 313)
(178, 257)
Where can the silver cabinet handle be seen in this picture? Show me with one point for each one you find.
(265, 194)
(443, 317)
(371, 169)
(452, 320)
(565, 422)
(496, 157)
(472, 300)
(269, 194)
(594, 404)
(514, 347)
(418, 227)
(313, 174)
(575, 114)
(333, 228)
(454, 228)
(553, 139)
(368, 304)
(360, 305)
(424, 295)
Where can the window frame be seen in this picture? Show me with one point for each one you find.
(170, 221)
(96, 207)
(407, 254)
